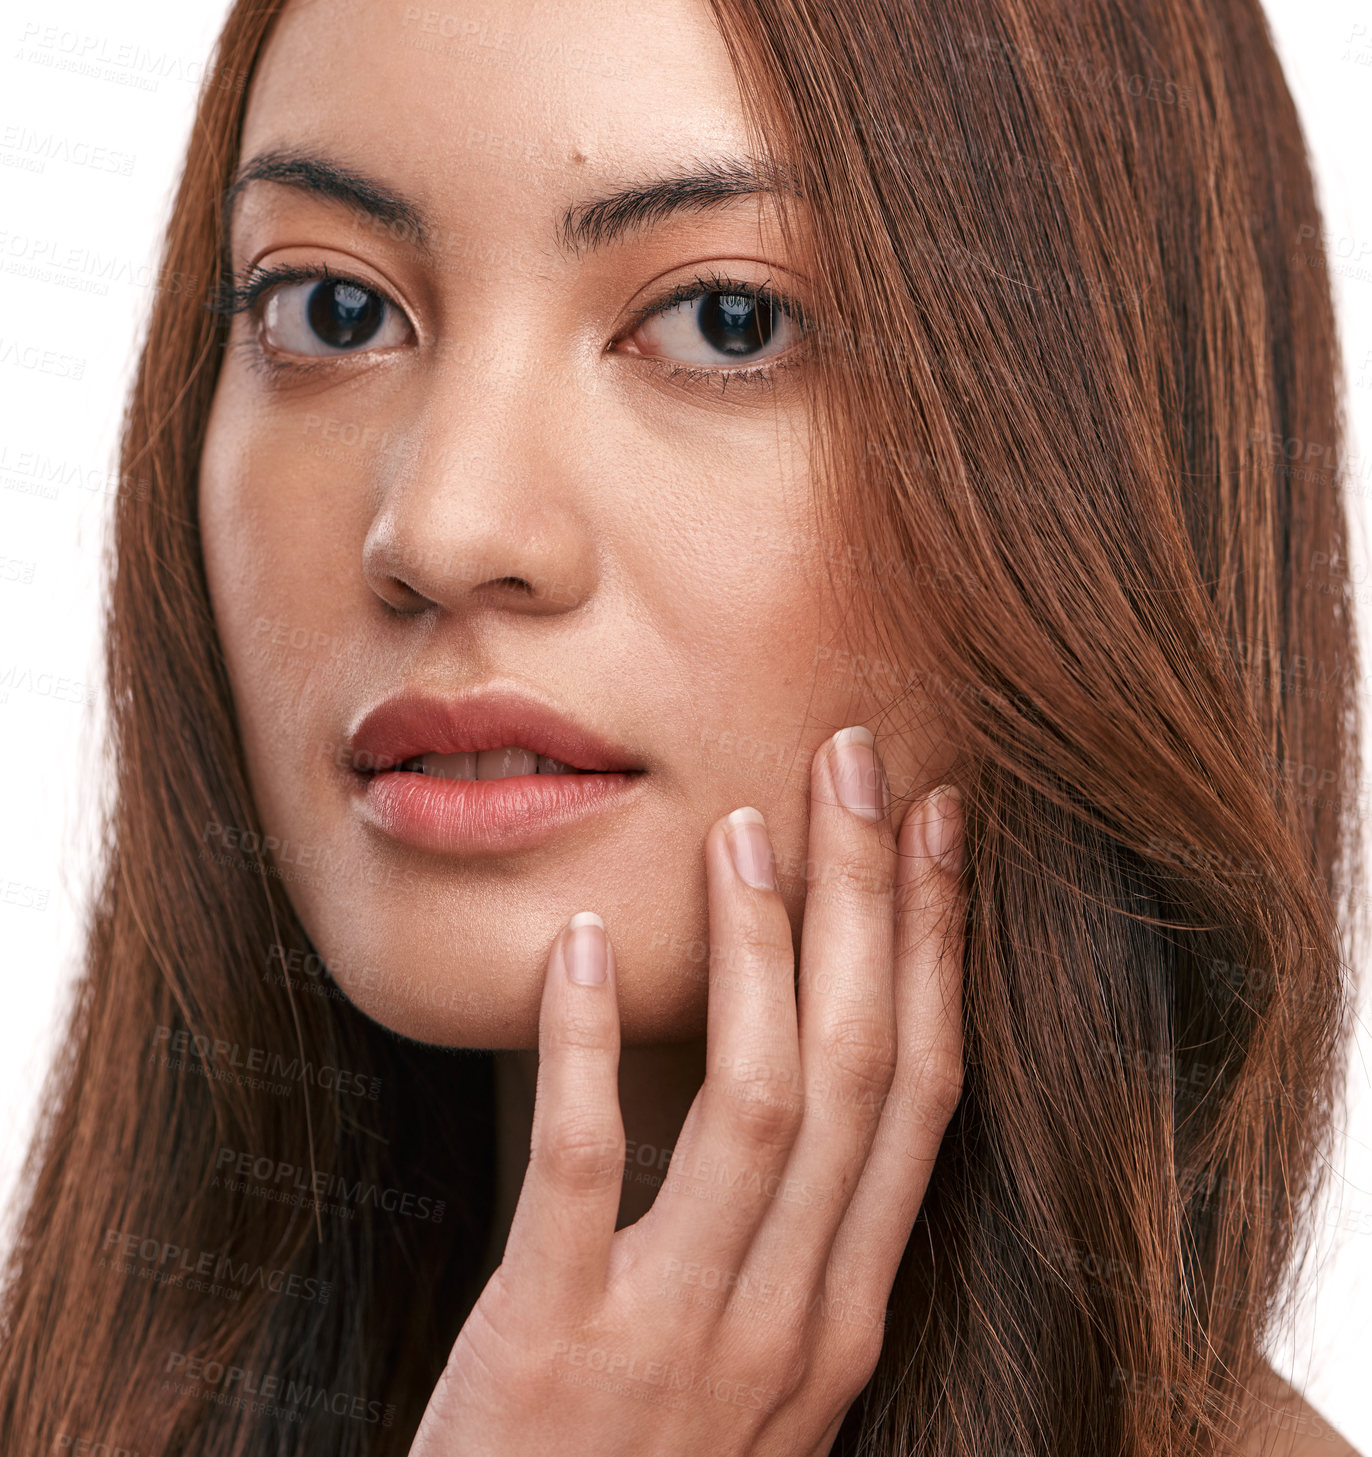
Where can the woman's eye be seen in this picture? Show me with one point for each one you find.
(330, 316)
(718, 327)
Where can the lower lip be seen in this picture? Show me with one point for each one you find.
(464, 816)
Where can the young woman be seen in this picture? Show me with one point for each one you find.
(715, 658)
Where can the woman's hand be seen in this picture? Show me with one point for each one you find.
(743, 1314)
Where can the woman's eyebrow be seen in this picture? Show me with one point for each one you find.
(632, 208)
(595, 223)
(308, 172)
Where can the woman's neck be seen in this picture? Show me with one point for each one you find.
(656, 1086)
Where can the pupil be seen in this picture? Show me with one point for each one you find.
(735, 323)
(343, 314)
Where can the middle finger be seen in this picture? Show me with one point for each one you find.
(846, 1008)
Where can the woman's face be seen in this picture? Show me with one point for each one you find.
(477, 471)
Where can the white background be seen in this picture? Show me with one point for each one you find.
(88, 158)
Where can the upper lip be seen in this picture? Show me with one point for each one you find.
(408, 725)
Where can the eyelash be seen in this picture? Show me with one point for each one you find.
(237, 297)
(708, 283)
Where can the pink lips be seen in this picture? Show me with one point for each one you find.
(456, 816)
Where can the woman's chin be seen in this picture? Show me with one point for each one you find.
(457, 1005)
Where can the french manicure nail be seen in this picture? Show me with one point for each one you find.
(751, 848)
(584, 948)
(859, 779)
(941, 827)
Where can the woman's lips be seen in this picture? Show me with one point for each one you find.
(452, 816)
(492, 770)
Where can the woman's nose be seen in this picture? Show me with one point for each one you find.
(486, 508)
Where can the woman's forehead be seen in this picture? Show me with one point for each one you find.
(529, 99)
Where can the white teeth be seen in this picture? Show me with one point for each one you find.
(553, 766)
(487, 764)
(505, 763)
(449, 766)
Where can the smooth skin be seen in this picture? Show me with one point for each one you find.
(514, 482)
(744, 1312)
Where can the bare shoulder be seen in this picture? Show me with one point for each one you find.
(1284, 1424)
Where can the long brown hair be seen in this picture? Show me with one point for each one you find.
(1081, 449)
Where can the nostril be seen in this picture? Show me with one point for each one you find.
(520, 582)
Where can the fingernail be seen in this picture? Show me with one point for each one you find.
(940, 827)
(858, 777)
(751, 848)
(584, 948)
